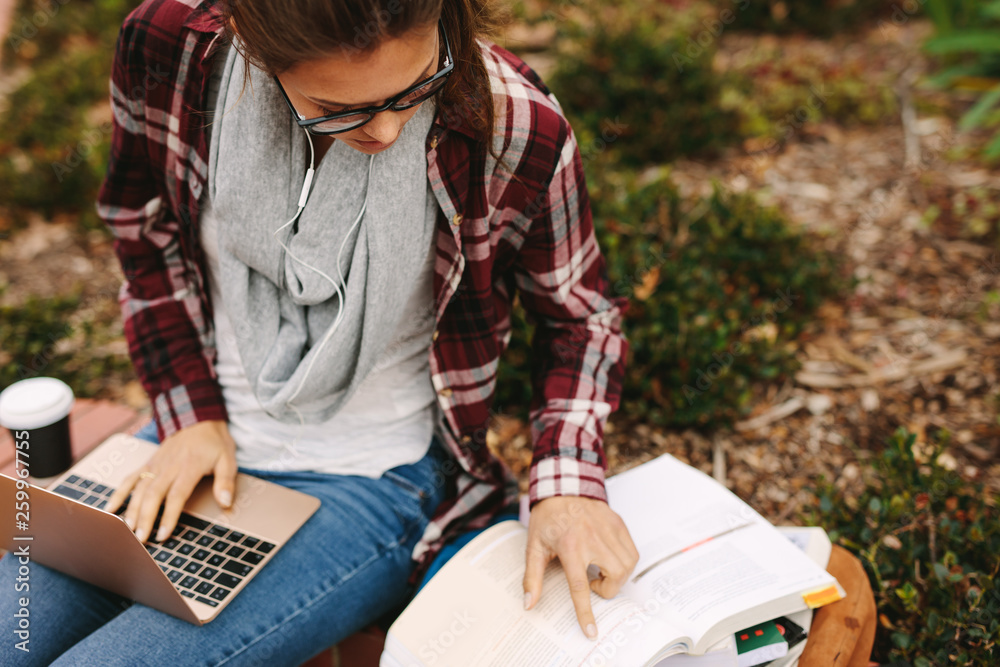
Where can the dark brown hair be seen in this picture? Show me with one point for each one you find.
(278, 34)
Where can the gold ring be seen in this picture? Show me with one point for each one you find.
(145, 474)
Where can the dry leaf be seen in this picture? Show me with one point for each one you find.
(892, 542)
(649, 281)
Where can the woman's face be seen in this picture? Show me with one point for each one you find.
(352, 80)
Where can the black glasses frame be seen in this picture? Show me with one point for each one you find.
(310, 123)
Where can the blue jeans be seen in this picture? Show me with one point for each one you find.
(345, 568)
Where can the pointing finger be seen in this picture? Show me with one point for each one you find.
(579, 590)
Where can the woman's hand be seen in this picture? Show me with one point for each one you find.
(580, 531)
(182, 460)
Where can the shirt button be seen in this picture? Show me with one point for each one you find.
(434, 336)
(446, 392)
(456, 219)
(434, 141)
(466, 439)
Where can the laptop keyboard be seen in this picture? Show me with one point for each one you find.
(205, 561)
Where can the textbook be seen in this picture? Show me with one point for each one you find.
(709, 566)
(762, 643)
(813, 541)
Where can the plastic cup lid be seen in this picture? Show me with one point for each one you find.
(35, 403)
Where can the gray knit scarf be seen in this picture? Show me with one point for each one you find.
(281, 310)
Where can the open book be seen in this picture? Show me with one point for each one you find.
(709, 565)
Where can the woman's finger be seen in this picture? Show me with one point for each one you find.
(625, 540)
(537, 559)
(575, 568)
(176, 498)
(224, 482)
(119, 495)
(625, 550)
(614, 571)
(146, 500)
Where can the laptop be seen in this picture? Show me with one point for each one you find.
(212, 555)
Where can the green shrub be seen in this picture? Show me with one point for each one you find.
(773, 95)
(29, 334)
(632, 78)
(967, 41)
(56, 126)
(41, 29)
(822, 18)
(47, 337)
(719, 288)
(970, 212)
(950, 16)
(929, 541)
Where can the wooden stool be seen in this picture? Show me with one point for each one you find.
(843, 633)
(362, 649)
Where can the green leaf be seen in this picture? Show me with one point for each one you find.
(906, 592)
(933, 621)
(990, 10)
(992, 151)
(944, 78)
(941, 571)
(940, 13)
(979, 41)
(975, 116)
(875, 505)
(901, 640)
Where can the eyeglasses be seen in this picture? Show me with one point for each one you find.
(355, 118)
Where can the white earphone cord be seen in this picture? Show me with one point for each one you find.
(303, 197)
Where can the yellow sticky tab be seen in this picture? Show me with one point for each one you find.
(821, 596)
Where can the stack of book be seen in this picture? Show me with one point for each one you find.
(716, 585)
(777, 642)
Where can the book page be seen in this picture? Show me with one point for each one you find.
(705, 555)
(669, 507)
(471, 615)
(722, 654)
(724, 577)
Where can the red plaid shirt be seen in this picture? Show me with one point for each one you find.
(495, 235)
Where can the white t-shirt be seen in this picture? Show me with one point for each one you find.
(387, 423)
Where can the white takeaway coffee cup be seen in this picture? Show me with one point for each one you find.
(36, 411)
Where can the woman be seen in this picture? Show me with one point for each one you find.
(308, 197)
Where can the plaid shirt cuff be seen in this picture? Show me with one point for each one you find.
(186, 405)
(566, 476)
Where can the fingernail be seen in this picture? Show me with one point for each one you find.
(592, 631)
(129, 523)
(527, 601)
(161, 535)
(141, 535)
(227, 498)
